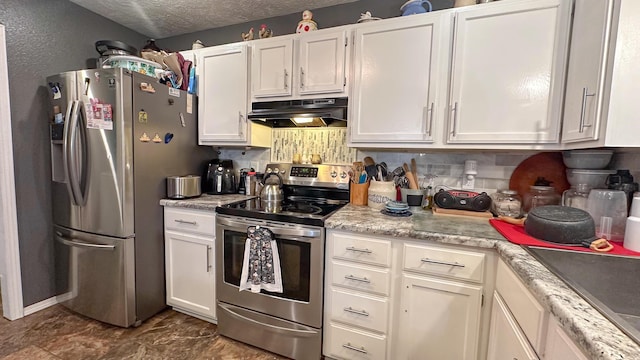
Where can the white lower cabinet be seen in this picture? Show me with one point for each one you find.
(189, 262)
(506, 340)
(439, 319)
(521, 328)
(403, 299)
(559, 346)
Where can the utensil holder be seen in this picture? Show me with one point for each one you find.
(359, 194)
(380, 193)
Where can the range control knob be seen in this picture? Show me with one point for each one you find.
(283, 171)
(276, 170)
(334, 174)
(268, 170)
(343, 175)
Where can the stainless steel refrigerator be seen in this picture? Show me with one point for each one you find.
(119, 135)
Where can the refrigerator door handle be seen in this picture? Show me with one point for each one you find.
(72, 155)
(68, 149)
(69, 242)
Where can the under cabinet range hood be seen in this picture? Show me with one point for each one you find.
(301, 113)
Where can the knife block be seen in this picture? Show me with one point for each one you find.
(359, 193)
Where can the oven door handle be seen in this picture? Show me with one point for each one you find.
(274, 328)
(242, 227)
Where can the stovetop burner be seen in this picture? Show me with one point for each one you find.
(312, 193)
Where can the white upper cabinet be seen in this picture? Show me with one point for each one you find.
(223, 98)
(507, 76)
(398, 83)
(299, 66)
(589, 61)
(272, 67)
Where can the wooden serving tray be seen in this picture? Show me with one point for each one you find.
(467, 213)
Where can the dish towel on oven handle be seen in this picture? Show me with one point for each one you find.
(261, 264)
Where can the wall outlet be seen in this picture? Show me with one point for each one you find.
(468, 182)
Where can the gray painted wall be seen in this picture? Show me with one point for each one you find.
(44, 37)
(283, 25)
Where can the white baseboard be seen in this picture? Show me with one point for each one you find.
(40, 306)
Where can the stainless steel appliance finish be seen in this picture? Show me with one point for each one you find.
(287, 323)
(332, 111)
(292, 319)
(106, 187)
(609, 283)
(182, 187)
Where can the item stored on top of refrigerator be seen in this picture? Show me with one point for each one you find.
(183, 187)
(462, 200)
(114, 47)
(132, 63)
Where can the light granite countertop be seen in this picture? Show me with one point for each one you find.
(205, 201)
(597, 336)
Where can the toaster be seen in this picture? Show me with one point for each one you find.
(183, 187)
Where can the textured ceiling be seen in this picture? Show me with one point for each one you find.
(164, 18)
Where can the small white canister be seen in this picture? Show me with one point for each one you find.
(381, 192)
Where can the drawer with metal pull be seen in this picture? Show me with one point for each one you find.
(360, 277)
(359, 310)
(450, 263)
(361, 249)
(344, 343)
(188, 220)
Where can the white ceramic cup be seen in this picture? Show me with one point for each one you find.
(632, 234)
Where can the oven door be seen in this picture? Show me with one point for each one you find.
(301, 252)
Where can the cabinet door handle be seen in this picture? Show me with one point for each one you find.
(455, 119)
(351, 347)
(241, 121)
(366, 251)
(286, 79)
(430, 118)
(585, 94)
(301, 78)
(357, 312)
(185, 222)
(208, 258)
(431, 261)
(355, 278)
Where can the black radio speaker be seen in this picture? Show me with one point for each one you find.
(462, 200)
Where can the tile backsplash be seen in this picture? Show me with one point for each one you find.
(330, 143)
(494, 168)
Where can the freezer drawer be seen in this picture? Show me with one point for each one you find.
(95, 275)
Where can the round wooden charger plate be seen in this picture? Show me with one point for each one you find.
(545, 164)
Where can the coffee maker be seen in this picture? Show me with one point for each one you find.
(219, 177)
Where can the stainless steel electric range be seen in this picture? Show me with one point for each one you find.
(287, 323)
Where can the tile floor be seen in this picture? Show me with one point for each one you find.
(56, 333)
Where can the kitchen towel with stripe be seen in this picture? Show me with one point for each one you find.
(261, 264)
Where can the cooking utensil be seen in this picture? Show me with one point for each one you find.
(414, 168)
(413, 184)
(563, 225)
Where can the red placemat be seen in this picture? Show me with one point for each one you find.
(517, 235)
